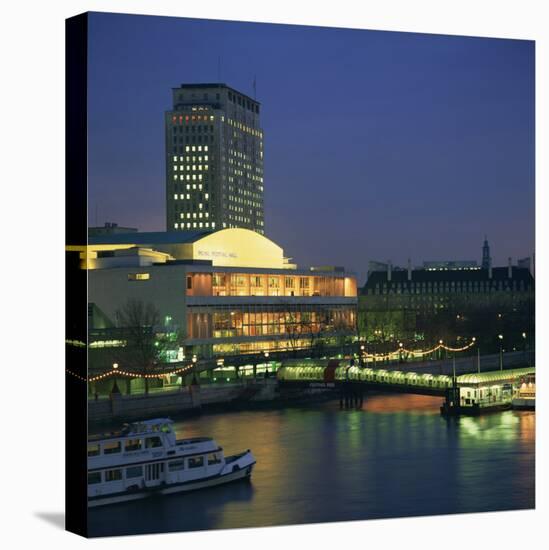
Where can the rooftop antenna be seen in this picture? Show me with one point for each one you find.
(255, 86)
(219, 68)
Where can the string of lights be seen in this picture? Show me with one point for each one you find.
(420, 353)
(116, 371)
(119, 372)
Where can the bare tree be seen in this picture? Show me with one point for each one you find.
(304, 326)
(292, 329)
(145, 348)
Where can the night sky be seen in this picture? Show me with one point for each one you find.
(378, 145)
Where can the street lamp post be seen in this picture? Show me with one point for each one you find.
(524, 347)
(194, 360)
(500, 336)
(376, 336)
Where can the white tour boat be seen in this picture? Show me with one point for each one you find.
(145, 458)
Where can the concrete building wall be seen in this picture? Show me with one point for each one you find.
(110, 289)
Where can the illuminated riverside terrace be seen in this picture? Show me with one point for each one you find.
(221, 293)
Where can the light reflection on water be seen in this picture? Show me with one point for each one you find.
(395, 457)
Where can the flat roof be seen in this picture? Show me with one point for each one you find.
(216, 85)
(495, 376)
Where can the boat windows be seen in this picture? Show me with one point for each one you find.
(214, 458)
(134, 471)
(93, 450)
(94, 477)
(112, 447)
(153, 442)
(196, 462)
(113, 475)
(176, 465)
(133, 445)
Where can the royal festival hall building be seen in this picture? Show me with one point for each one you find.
(228, 292)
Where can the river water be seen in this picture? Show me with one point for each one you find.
(395, 457)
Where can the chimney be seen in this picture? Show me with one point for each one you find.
(389, 270)
(409, 269)
(510, 269)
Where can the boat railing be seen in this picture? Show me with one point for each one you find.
(193, 440)
(107, 435)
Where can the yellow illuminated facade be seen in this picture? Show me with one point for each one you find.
(223, 283)
(235, 247)
(238, 248)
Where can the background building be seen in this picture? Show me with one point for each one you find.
(450, 304)
(214, 160)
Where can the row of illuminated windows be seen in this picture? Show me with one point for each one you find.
(241, 219)
(240, 209)
(250, 177)
(128, 445)
(192, 148)
(244, 206)
(237, 319)
(190, 167)
(241, 164)
(454, 287)
(243, 284)
(239, 154)
(240, 200)
(182, 196)
(230, 348)
(194, 215)
(238, 323)
(192, 118)
(133, 472)
(194, 225)
(187, 177)
(244, 128)
(189, 158)
(194, 186)
(246, 166)
(244, 192)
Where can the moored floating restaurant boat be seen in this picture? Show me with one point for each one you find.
(525, 396)
(478, 393)
(145, 459)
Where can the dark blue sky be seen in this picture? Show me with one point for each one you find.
(377, 144)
